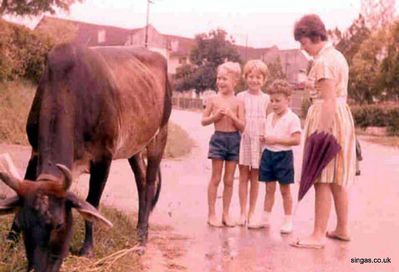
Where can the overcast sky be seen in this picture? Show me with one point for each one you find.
(262, 23)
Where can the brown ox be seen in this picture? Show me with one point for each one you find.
(91, 106)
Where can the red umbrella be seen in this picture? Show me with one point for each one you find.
(320, 149)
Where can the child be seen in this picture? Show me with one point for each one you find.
(227, 114)
(282, 131)
(255, 105)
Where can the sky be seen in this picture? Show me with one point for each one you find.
(257, 23)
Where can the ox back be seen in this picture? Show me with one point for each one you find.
(97, 102)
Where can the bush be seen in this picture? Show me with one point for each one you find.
(382, 115)
(22, 52)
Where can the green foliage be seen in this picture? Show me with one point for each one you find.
(389, 78)
(371, 72)
(305, 105)
(211, 49)
(275, 71)
(382, 115)
(349, 42)
(33, 7)
(22, 52)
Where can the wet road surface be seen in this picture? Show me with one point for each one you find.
(374, 215)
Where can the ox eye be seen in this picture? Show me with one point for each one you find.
(58, 226)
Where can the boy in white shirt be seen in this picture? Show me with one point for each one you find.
(282, 131)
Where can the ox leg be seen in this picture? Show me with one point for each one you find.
(138, 166)
(30, 174)
(155, 151)
(98, 177)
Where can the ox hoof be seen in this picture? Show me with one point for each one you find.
(86, 252)
(12, 237)
(140, 250)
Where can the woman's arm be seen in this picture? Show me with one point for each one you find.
(327, 90)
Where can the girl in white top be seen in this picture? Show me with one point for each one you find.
(255, 105)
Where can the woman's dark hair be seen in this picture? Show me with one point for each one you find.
(312, 27)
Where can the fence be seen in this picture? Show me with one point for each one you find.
(187, 103)
(196, 103)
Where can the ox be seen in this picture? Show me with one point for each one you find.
(92, 105)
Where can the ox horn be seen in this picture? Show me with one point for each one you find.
(67, 176)
(11, 181)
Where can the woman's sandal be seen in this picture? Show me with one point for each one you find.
(299, 244)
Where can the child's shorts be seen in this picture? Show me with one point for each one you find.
(224, 146)
(277, 166)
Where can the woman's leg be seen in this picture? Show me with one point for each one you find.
(340, 195)
(243, 192)
(322, 212)
(228, 178)
(217, 167)
(253, 193)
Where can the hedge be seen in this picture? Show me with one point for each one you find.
(22, 52)
(381, 115)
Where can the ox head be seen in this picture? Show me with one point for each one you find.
(44, 214)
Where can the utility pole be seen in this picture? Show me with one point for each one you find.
(147, 22)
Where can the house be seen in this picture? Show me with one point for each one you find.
(176, 49)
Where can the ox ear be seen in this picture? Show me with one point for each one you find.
(87, 210)
(9, 205)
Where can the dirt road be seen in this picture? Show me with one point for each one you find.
(192, 246)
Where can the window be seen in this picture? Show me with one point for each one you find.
(101, 36)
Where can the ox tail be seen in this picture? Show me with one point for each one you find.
(167, 107)
(157, 193)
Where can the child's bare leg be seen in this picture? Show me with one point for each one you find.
(243, 192)
(253, 193)
(269, 197)
(217, 167)
(285, 190)
(228, 178)
(287, 226)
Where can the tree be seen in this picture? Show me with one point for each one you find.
(389, 78)
(349, 42)
(33, 7)
(378, 13)
(275, 71)
(365, 73)
(210, 50)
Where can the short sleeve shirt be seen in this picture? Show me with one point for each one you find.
(284, 127)
(330, 64)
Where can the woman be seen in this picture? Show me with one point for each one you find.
(327, 84)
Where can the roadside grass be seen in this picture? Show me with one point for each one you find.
(390, 141)
(114, 248)
(179, 142)
(15, 102)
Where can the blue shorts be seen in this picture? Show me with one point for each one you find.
(224, 146)
(277, 166)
